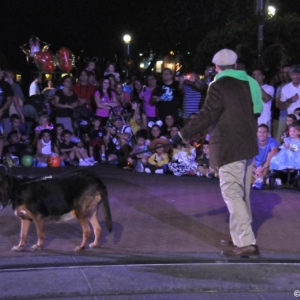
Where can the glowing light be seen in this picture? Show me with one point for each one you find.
(172, 53)
(142, 65)
(127, 38)
(271, 11)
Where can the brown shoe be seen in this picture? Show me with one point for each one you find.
(227, 242)
(247, 251)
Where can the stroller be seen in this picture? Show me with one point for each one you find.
(292, 177)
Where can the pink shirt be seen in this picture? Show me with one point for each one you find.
(105, 99)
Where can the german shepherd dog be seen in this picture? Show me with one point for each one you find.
(78, 194)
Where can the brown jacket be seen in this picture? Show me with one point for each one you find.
(228, 112)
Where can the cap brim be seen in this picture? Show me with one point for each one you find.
(165, 142)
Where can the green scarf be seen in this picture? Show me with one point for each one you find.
(254, 87)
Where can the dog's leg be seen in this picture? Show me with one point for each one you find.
(25, 224)
(86, 232)
(39, 225)
(97, 229)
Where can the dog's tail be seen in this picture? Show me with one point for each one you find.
(106, 207)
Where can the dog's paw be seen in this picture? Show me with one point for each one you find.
(94, 245)
(17, 248)
(79, 249)
(36, 247)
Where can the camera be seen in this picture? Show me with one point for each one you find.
(111, 126)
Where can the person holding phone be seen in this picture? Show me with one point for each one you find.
(192, 88)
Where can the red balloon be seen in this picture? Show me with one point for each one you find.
(44, 61)
(65, 59)
(54, 161)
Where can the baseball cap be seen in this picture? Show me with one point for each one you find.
(117, 118)
(225, 57)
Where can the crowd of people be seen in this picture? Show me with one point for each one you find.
(88, 120)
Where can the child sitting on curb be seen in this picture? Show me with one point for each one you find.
(158, 162)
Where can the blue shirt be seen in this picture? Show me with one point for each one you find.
(261, 157)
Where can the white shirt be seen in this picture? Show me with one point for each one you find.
(289, 91)
(265, 117)
(34, 89)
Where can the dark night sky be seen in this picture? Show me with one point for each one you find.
(96, 26)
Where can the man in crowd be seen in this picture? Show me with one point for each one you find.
(191, 87)
(34, 88)
(230, 109)
(267, 147)
(119, 138)
(267, 93)
(167, 98)
(282, 106)
(290, 93)
(84, 91)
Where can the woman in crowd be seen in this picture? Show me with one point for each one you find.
(105, 100)
(137, 118)
(138, 89)
(146, 96)
(65, 101)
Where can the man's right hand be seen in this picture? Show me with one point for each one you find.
(175, 140)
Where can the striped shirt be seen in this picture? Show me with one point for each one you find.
(191, 100)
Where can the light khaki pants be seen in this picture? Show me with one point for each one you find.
(235, 183)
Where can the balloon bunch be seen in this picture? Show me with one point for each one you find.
(45, 60)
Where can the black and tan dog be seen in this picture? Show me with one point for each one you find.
(78, 194)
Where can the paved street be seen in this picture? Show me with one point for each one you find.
(164, 245)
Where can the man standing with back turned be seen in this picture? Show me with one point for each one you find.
(230, 111)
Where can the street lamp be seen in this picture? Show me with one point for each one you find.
(127, 39)
(271, 11)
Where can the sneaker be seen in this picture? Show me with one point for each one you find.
(103, 159)
(41, 164)
(91, 160)
(83, 163)
(139, 167)
(73, 162)
(258, 184)
(210, 175)
(159, 171)
(278, 182)
(147, 170)
(199, 174)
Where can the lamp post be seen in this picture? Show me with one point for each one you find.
(261, 11)
(127, 39)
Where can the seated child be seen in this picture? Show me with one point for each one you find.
(96, 139)
(290, 119)
(43, 124)
(15, 148)
(45, 148)
(289, 155)
(204, 168)
(158, 162)
(183, 161)
(139, 161)
(15, 124)
(72, 150)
